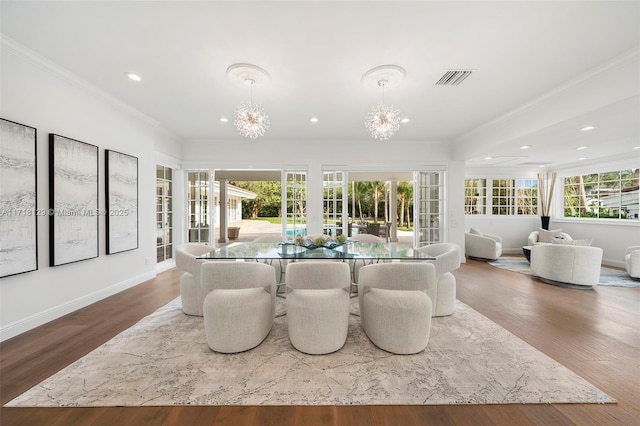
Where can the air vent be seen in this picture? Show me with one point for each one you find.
(453, 77)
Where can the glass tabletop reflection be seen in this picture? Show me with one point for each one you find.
(286, 250)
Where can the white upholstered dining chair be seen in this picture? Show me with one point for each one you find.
(318, 305)
(395, 309)
(191, 294)
(239, 307)
(446, 259)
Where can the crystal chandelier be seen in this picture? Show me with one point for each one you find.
(250, 119)
(383, 120)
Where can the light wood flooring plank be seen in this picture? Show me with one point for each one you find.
(593, 333)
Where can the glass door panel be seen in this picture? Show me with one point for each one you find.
(429, 208)
(294, 203)
(335, 218)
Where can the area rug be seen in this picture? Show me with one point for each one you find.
(608, 276)
(164, 360)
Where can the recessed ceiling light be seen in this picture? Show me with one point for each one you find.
(488, 158)
(405, 120)
(582, 158)
(133, 76)
(542, 165)
(581, 148)
(587, 128)
(313, 119)
(224, 119)
(525, 147)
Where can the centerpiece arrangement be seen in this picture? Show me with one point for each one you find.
(321, 241)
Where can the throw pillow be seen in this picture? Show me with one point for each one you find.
(559, 239)
(475, 231)
(545, 236)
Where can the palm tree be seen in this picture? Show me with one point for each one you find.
(405, 196)
(378, 187)
(360, 189)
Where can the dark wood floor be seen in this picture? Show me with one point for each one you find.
(592, 332)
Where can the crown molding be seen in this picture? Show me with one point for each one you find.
(168, 161)
(13, 47)
(624, 59)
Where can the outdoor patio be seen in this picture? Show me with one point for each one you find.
(251, 229)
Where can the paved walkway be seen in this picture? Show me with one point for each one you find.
(252, 229)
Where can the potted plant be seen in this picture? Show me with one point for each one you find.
(546, 195)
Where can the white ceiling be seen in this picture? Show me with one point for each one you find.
(540, 67)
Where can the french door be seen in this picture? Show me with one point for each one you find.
(335, 202)
(294, 203)
(428, 207)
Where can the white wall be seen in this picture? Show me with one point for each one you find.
(35, 92)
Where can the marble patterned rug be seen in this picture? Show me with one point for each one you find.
(164, 360)
(608, 276)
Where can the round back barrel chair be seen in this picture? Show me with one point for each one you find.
(278, 264)
(191, 294)
(239, 307)
(567, 265)
(318, 305)
(447, 259)
(632, 261)
(395, 309)
(480, 246)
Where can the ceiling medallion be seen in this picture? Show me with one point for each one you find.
(251, 120)
(383, 120)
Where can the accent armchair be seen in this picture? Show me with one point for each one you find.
(567, 265)
(395, 309)
(191, 294)
(632, 261)
(481, 246)
(240, 304)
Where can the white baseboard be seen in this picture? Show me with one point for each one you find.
(26, 324)
(613, 262)
(508, 250)
(165, 266)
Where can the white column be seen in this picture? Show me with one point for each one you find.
(224, 212)
(393, 210)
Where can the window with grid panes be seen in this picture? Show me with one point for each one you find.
(503, 197)
(475, 196)
(507, 197)
(164, 213)
(199, 220)
(527, 196)
(606, 195)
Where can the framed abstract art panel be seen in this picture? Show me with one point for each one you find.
(121, 210)
(73, 200)
(18, 199)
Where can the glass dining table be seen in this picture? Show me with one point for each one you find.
(354, 252)
(351, 250)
